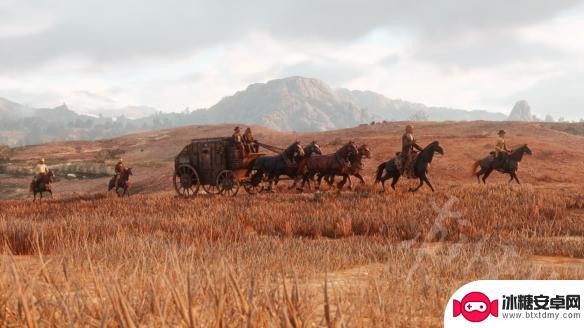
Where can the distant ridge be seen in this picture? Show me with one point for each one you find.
(288, 104)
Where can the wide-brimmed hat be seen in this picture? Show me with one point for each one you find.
(501, 132)
(236, 128)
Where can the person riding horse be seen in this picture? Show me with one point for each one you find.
(501, 160)
(119, 169)
(501, 151)
(407, 155)
(40, 171)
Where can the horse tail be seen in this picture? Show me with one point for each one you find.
(380, 170)
(475, 166)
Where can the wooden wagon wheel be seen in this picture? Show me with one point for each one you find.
(212, 189)
(227, 183)
(252, 187)
(186, 181)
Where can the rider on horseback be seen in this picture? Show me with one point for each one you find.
(501, 151)
(406, 157)
(40, 170)
(119, 169)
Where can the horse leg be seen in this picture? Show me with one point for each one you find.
(385, 178)
(478, 175)
(341, 183)
(486, 175)
(330, 179)
(419, 186)
(514, 175)
(319, 181)
(395, 180)
(427, 181)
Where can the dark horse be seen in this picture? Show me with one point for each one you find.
(273, 167)
(123, 183)
(421, 163)
(355, 169)
(326, 165)
(310, 150)
(509, 164)
(42, 184)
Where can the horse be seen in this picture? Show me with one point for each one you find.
(42, 184)
(325, 165)
(123, 182)
(285, 163)
(310, 150)
(510, 165)
(354, 170)
(420, 171)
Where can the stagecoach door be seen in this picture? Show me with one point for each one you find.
(210, 161)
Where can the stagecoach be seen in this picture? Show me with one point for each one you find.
(217, 165)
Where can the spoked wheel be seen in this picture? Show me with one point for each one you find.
(212, 189)
(254, 187)
(227, 183)
(186, 181)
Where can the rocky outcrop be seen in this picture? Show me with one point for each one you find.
(521, 112)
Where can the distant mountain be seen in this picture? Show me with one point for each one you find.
(295, 103)
(288, 104)
(521, 112)
(9, 109)
(399, 110)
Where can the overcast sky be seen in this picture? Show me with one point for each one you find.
(472, 54)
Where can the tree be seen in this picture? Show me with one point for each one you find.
(420, 116)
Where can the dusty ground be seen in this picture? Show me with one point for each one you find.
(333, 259)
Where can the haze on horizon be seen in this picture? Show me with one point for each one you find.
(170, 55)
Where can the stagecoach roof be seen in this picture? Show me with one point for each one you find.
(211, 139)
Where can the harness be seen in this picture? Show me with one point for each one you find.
(286, 160)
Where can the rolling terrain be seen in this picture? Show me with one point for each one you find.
(557, 155)
(327, 259)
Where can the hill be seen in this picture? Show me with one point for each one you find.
(557, 155)
(400, 110)
(288, 104)
(291, 104)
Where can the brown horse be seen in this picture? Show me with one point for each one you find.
(42, 184)
(420, 168)
(355, 169)
(509, 164)
(328, 164)
(123, 183)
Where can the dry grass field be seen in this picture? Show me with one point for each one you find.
(361, 258)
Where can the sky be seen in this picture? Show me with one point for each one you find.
(173, 54)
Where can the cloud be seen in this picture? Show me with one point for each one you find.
(178, 53)
(558, 95)
(108, 30)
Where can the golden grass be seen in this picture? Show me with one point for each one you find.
(350, 259)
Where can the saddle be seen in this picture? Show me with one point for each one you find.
(406, 169)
